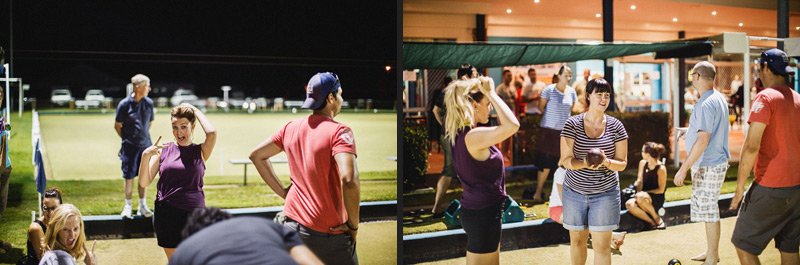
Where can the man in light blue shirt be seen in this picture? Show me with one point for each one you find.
(707, 142)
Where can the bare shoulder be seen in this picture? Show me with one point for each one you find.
(34, 227)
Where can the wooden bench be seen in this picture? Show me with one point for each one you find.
(246, 162)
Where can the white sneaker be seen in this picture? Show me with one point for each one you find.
(127, 211)
(144, 211)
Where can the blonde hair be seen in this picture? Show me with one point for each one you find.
(458, 98)
(58, 221)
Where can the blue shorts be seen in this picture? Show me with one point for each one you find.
(130, 156)
(597, 212)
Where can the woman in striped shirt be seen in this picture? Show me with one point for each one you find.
(556, 102)
(591, 191)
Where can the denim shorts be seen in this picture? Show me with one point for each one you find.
(597, 212)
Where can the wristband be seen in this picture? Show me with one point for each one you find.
(350, 227)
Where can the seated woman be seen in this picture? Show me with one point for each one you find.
(650, 186)
(36, 246)
(65, 231)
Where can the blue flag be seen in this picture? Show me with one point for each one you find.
(41, 180)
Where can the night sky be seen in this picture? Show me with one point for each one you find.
(261, 48)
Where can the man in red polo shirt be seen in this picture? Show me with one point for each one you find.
(771, 208)
(322, 201)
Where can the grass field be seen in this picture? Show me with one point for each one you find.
(102, 195)
(85, 146)
(17, 217)
(516, 185)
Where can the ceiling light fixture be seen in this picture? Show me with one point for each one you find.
(741, 24)
(714, 13)
(536, 1)
(508, 11)
(597, 15)
(633, 7)
(674, 19)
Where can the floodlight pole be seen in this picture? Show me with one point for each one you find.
(225, 90)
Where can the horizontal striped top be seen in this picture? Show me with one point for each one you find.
(558, 107)
(587, 181)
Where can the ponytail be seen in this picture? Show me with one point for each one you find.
(458, 98)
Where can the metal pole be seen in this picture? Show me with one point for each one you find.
(746, 86)
(682, 80)
(10, 37)
(783, 21)
(608, 36)
(21, 87)
(6, 111)
(480, 27)
(676, 109)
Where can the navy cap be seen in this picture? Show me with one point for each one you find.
(777, 61)
(318, 88)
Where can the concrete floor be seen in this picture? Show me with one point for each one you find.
(377, 244)
(653, 247)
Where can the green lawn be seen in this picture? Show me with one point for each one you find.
(516, 185)
(104, 195)
(85, 146)
(15, 220)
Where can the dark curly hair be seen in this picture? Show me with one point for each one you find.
(465, 70)
(202, 218)
(53, 193)
(655, 150)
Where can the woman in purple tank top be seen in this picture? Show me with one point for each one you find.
(181, 165)
(478, 162)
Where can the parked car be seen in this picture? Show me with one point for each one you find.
(95, 95)
(181, 96)
(61, 97)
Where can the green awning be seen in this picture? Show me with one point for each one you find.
(427, 55)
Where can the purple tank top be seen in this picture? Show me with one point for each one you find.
(483, 181)
(181, 182)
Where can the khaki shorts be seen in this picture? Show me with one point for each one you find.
(766, 214)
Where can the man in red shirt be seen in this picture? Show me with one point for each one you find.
(771, 208)
(322, 201)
